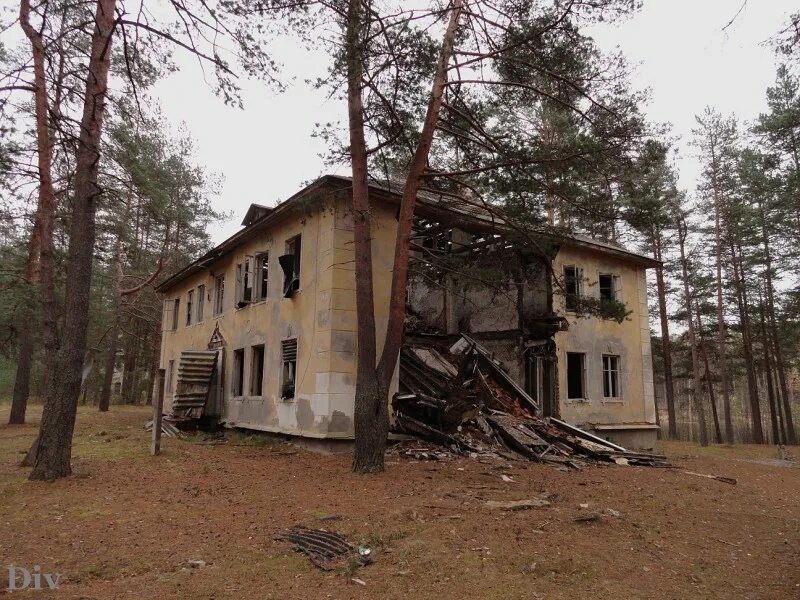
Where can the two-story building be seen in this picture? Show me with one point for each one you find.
(260, 332)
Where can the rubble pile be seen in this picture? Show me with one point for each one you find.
(460, 400)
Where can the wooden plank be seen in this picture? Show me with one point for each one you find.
(158, 409)
(585, 434)
(497, 371)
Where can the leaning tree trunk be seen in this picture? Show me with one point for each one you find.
(371, 414)
(54, 446)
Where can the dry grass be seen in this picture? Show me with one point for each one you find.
(126, 525)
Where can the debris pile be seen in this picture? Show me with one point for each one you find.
(462, 401)
(325, 549)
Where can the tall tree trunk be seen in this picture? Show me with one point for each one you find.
(111, 362)
(132, 350)
(111, 357)
(368, 419)
(774, 409)
(22, 379)
(54, 446)
(712, 399)
(698, 387)
(780, 365)
(747, 342)
(666, 344)
(371, 412)
(44, 209)
(721, 341)
(113, 342)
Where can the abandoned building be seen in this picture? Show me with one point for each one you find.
(260, 332)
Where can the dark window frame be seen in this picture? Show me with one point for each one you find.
(170, 376)
(237, 379)
(573, 287)
(261, 277)
(576, 385)
(608, 291)
(257, 360)
(189, 307)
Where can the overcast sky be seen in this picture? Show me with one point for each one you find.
(678, 48)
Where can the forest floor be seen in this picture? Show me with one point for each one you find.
(128, 525)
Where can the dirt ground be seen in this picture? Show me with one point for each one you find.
(127, 525)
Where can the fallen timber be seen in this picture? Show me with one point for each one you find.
(463, 402)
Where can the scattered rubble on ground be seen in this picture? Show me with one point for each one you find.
(722, 478)
(460, 401)
(167, 429)
(327, 550)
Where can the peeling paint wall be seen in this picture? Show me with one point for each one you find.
(595, 337)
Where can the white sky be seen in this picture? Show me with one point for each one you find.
(678, 47)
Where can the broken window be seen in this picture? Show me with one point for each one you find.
(201, 301)
(573, 286)
(289, 370)
(237, 383)
(175, 312)
(189, 306)
(262, 276)
(576, 379)
(257, 371)
(610, 376)
(608, 287)
(290, 263)
(244, 282)
(219, 294)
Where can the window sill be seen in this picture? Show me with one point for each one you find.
(578, 400)
(613, 400)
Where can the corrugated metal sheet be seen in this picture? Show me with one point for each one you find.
(194, 381)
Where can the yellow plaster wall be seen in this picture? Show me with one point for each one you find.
(321, 315)
(310, 315)
(595, 337)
